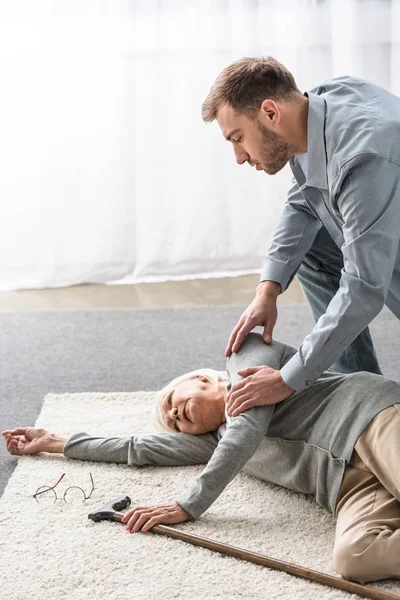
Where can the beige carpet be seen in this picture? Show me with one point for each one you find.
(57, 553)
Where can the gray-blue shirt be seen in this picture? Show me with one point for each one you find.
(352, 187)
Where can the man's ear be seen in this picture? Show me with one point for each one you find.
(270, 111)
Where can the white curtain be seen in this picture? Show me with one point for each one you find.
(107, 172)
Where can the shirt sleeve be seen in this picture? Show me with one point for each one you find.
(293, 237)
(163, 449)
(366, 202)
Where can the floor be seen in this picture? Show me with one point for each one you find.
(197, 292)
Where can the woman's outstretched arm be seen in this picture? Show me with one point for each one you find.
(163, 449)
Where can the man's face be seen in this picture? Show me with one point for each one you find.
(253, 142)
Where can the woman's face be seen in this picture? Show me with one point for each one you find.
(197, 406)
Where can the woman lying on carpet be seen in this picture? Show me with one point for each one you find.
(338, 440)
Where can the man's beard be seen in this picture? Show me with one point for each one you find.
(275, 151)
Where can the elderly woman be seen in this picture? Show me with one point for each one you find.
(338, 440)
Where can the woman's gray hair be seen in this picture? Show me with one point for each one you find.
(163, 395)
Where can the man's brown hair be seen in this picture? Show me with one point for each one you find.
(246, 83)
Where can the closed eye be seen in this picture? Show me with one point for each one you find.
(174, 424)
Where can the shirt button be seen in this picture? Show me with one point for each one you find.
(308, 382)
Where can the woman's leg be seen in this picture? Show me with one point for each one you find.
(367, 544)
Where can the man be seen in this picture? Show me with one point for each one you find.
(340, 227)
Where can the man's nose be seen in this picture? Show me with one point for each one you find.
(241, 156)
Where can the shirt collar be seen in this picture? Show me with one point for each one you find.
(316, 150)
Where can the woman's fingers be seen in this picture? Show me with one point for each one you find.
(131, 517)
(16, 447)
(9, 439)
(150, 523)
(15, 440)
(15, 444)
(18, 431)
(136, 523)
(12, 446)
(137, 517)
(144, 518)
(10, 443)
(21, 439)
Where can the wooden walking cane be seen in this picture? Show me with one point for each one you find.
(108, 513)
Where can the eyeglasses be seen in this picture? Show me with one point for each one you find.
(47, 494)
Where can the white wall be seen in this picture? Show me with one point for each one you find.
(108, 172)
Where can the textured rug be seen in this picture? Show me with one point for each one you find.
(57, 552)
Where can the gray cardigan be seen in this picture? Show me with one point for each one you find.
(302, 443)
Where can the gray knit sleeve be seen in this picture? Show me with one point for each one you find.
(244, 433)
(163, 449)
(242, 438)
(255, 352)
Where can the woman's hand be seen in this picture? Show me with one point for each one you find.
(26, 440)
(144, 518)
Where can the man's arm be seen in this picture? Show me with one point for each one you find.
(368, 204)
(295, 233)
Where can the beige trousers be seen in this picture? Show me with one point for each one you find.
(367, 542)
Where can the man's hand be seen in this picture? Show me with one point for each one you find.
(262, 311)
(144, 518)
(261, 386)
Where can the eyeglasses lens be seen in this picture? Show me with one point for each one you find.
(74, 495)
(46, 495)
